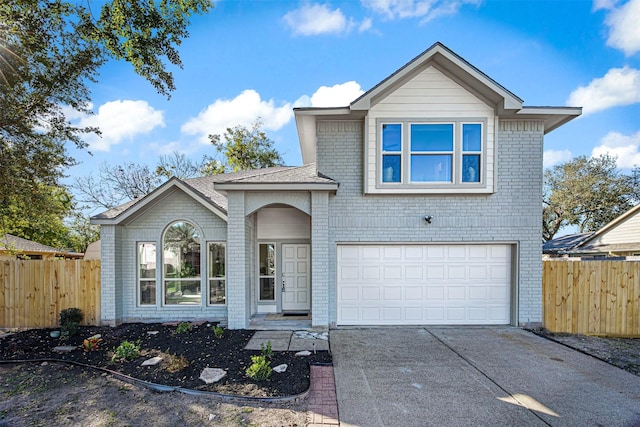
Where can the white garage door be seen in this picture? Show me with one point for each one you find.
(423, 284)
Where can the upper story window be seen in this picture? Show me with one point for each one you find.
(432, 154)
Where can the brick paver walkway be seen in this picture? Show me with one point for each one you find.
(323, 405)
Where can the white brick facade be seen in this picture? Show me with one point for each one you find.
(511, 215)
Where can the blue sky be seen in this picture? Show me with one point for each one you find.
(260, 58)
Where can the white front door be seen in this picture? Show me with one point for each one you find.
(296, 290)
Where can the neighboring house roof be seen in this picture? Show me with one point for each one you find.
(92, 251)
(564, 244)
(210, 191)
(20, 245)
(506, 104)
(620, 236)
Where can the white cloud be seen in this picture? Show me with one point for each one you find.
(553, 157)
(365, 25)
(624, 25)
(242, 110)
(620, 86)
(427, 10)
(313, 19)
(604, 4)
(339, 95)
(120, 120)
(624, 147)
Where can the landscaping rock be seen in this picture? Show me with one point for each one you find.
(153, 332)
(212, 375)
(280, 368)
(152, 362)
(303, 353)
(64, 348)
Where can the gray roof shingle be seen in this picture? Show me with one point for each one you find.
(205, 185)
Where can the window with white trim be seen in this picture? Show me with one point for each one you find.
(217, 273)
(181, 260)
(431, 154)
(267, 271)
(146, 256)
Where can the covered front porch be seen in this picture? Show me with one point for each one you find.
(277, 251)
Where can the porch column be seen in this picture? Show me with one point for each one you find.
(237, 262)
(320, 258)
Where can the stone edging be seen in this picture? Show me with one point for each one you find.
(167, 388)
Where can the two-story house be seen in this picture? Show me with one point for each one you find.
(419, 203)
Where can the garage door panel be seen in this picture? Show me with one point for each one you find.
(435, 272)
(349, 293)
(423, 284)
(371, 273)
(456, 272)
(414, 272)
(413, 293)
(392, 293)
(458, 253)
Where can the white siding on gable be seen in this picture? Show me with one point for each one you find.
(627, 232)
(429, 95)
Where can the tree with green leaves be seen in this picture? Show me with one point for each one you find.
(243, 149)
(50, 51)
(42, 223)
(587, 193)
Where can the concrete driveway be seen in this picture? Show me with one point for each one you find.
(464, 376)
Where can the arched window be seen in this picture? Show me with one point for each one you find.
(181, 259)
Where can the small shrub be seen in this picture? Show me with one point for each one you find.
(184, 327)
(91, 344)
(126, 351)
(70, 319)
(260, 369)
(266, 351)
(217, 331)
(176, 363)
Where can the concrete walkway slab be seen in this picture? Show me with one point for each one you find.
(285, 341)
(454, 376)
(279, 340)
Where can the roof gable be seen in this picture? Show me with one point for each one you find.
(451, 65)
(209, 190)
(623, 229)
(130, 210)
(506, 105)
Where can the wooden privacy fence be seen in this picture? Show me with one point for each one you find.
(592, 297)
(33, 292)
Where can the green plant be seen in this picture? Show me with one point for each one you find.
(91, 344)
(70, 319)
(260, 369)
(266, 351)
(184, 327)
(176, 363)
(217, 331)
(126, 351)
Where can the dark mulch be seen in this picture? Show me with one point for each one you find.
(199, 347)
(621, 352)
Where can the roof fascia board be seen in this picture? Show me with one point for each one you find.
(156, 196)
(553, 117)
(306, 125)
(253, 186)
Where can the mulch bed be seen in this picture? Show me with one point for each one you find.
(199, 347)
